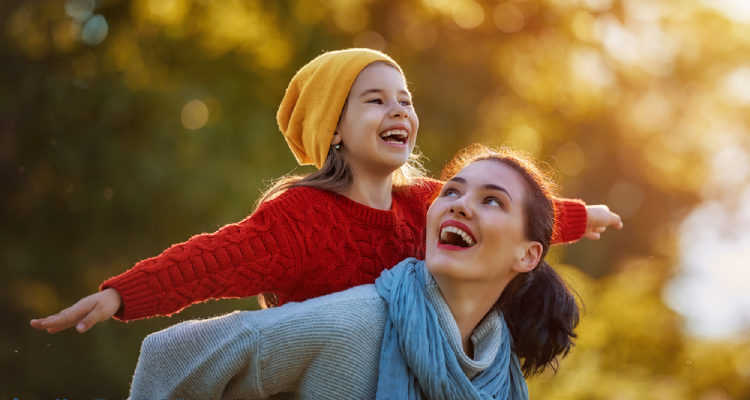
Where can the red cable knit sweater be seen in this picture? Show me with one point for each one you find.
(302, 244)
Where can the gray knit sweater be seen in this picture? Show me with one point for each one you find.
(323, 348)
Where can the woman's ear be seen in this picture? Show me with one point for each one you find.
(529, 256)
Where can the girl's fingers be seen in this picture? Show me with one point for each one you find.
(86, 323)
(43, 323)
(60, 322)
(592, 235)
(67, 317)
(616, 221)
(96, 315)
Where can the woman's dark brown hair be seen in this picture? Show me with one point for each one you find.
(539, 308)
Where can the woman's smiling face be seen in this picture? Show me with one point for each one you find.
(475, 228)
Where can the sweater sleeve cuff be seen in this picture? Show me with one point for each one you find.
(570, 220)
(131, 286)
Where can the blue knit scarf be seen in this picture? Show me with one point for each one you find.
(416, 360)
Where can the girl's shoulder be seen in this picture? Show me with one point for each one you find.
(298, 196)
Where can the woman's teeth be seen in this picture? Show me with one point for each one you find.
(456, 236)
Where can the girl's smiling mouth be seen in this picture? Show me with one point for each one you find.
(396, 135)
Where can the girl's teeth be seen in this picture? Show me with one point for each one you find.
(397, 133)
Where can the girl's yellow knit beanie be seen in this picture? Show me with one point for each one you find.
(310, 109)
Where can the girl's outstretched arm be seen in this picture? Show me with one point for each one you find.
(239, 260)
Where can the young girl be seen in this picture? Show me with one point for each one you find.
(348, 112)
(450, 327)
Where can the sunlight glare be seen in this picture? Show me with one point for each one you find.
(711, 289)
(735, 10)
(737, 85)
(589, 66)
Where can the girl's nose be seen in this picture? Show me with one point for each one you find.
(399, 111)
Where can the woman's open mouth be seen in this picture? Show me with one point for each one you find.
(455, 234)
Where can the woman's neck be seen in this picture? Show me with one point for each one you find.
(469, 303)
(372, 191)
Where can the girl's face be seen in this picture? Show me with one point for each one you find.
(378, 127)
(475, 228)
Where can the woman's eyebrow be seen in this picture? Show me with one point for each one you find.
(490, 186)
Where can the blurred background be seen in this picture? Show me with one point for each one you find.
(126, 126)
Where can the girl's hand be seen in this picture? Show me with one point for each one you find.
(598, 219)
(84, 314)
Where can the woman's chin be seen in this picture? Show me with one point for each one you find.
(443, 264)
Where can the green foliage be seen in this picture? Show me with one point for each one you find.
(106, 157)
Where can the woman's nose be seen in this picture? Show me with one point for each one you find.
(459, 208)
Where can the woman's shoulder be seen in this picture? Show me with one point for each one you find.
(359, 299)
(360, 306)
(358, 312)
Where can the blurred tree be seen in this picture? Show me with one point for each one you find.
(128, 126)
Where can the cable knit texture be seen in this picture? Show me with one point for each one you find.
(325, 348)
(302, 244)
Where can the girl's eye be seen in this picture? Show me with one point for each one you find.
(493, 201)
(405, 103)
(375, 101)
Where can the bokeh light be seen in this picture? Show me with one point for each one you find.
(737, 85)
(508, 18)
(524, 138)
(467, 14)
(80, 10)
(570, 159)
(194, 114)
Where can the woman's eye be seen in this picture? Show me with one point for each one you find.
(450, 193)
(493, 201)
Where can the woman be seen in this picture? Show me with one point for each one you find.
(452, 326)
